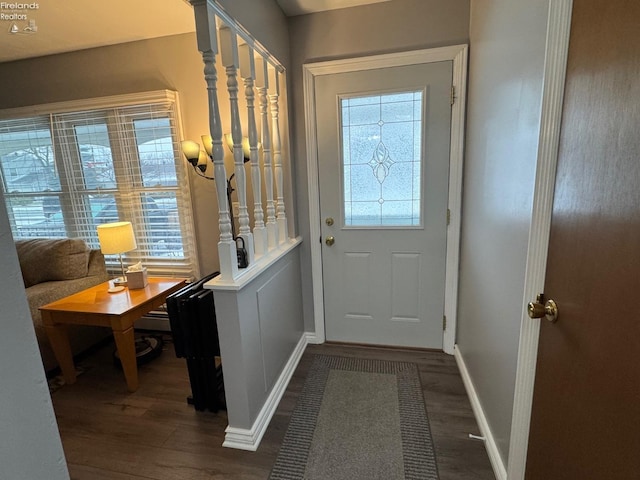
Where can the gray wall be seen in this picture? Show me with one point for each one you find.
(503, 121)
(166, 62)
(265, 21)
(351, 32)
(30, 444)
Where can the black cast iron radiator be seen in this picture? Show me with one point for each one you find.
(192, 316)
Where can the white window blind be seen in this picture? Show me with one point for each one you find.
(65, 172)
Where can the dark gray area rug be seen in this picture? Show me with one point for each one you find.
(358, 419)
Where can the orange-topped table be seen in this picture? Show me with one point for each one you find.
(96, 306)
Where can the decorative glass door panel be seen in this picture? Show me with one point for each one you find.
(381, 159)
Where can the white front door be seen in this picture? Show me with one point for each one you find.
(383, 163)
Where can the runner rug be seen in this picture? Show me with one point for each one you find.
(358, 419)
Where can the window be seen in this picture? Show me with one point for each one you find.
(382, 155)
(65, 172)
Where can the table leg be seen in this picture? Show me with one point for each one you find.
(59, 341)
(126, 345)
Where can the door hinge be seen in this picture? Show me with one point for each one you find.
(453, 95)
(448, 217)
(444, 322)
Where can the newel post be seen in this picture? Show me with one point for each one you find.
(208, 46)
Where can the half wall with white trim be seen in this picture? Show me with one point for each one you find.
(261, 340)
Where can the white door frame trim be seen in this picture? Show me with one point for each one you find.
(456, 53)
(555, 68)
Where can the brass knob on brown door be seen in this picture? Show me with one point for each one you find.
(537, 310)
(329, 240)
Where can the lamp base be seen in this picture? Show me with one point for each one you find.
(117, 289)
(120, 281)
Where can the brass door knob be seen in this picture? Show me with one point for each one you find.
(549, 310)
(330, 240)
(329, 221)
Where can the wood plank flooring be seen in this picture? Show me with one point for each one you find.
(109, 433)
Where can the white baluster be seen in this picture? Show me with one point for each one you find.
(208, 46)
(262, 80)
(277, 154)
(248, 73)
(229, 55)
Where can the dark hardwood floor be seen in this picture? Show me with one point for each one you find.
(108, 433)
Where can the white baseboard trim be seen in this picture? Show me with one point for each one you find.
(499, 468)
(249, 439)
(312, 338)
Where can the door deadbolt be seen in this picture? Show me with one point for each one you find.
(330, 240)
(537, 310)
(329, 221)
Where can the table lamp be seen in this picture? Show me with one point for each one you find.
(117, 238)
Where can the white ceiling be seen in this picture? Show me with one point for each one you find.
(68, 25)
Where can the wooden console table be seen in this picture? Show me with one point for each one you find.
(95, 306)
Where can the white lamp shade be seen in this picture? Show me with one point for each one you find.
(202, 162)
(116, 237)
(191, 150)
(207, 143)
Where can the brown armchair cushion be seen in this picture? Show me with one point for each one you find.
(44, 259)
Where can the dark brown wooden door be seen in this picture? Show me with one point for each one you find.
(585, 422)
